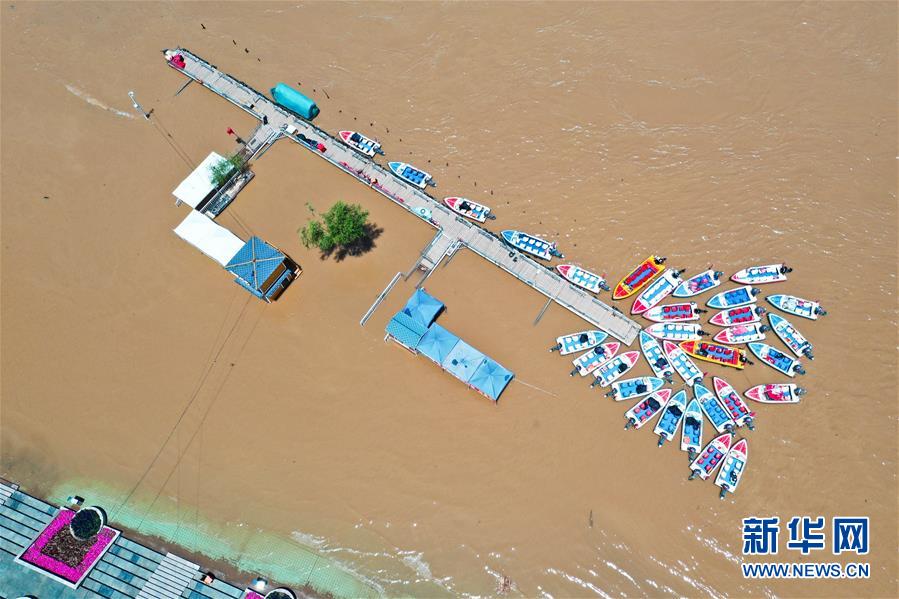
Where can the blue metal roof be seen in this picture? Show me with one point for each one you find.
(255, 263)
(491, 379)
(462, 361)
(423, 308)
(405, 330)
(437, 343)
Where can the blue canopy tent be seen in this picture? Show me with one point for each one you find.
(423, 308)
(414, 328)
(405, 330)
(462, 361)
(437, 343)
(262, 269)
(491, 379)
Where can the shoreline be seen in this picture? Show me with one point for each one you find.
(222, 568)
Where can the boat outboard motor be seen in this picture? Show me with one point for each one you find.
(754, 291)
(718, 274)
(800, 391)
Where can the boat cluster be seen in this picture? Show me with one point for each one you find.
(682, 339)
(674, 339)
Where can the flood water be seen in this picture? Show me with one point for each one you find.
(729, 134)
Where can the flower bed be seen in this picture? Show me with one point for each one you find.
(59, 555)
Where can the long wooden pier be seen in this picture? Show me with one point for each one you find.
(453, 230)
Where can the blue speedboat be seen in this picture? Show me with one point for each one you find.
(683, 365)
(531, 245)
(691, 433)
(635, 387)
(792, 338)
(796, 305)
(671, 417)
(410, 174)
(575, 342)
(653, 354)
(733, 298)
(715, 412)
(776, 359)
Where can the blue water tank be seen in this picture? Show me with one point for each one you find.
(294, 101)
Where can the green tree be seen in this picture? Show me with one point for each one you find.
(344, 225)
(313, 234)
(223, 170)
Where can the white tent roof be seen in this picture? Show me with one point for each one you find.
(198, 184)
(215, 241)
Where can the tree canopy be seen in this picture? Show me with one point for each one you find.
(344, 224)
(223, 170)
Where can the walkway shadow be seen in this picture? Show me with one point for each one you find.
(364, 245)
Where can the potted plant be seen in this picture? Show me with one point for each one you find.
(87, 522)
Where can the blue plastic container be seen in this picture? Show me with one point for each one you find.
(294, 101)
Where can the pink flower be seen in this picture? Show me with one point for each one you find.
(34, 554)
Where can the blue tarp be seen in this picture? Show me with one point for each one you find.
(491, 379)
(405, 330)
(437, 343)
(423, 308)
(462, 361)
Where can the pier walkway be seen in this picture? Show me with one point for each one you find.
(454, 231)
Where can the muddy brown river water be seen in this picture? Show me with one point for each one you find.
(713, 133)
